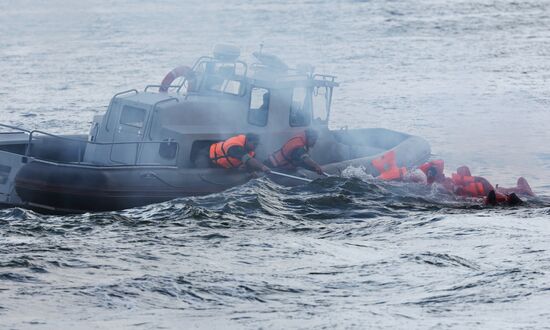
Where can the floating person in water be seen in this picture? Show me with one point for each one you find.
(295, 153)
(237, 152)
(387, 168)
(462, 183)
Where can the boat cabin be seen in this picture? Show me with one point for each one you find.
(218, 97)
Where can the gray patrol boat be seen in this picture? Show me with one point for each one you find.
(149, 146)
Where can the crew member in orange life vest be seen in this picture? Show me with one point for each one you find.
(236, 152)
(294, 153)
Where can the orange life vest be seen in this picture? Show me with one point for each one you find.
(469, 185)
(387, 167)
(218, 152)
(438, 164)
(283, 157)
(385, 162)
(474, 189)
(439, 167)
(462, 180)
(394, 173)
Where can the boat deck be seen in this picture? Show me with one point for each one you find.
(11, 138)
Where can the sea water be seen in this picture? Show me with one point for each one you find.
(472, 77)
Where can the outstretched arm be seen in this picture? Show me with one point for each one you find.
(250, 162)
(254, 164)
(312, 165)
(301, 156)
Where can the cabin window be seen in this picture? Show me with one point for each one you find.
(321, 103)
(300, 109)
(227, 86)
(259, 106)
(132, 116)
(168, 149)
(232, 87)
(221, 79)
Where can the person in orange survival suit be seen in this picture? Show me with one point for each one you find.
(295, 153)
(237, 152)
(462, 183)
(387, 168)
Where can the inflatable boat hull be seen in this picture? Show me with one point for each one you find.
(75, 188)
(68, 188)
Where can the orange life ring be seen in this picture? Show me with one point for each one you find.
(180, 71)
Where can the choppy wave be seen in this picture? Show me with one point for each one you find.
(469, 76)
(262, 248)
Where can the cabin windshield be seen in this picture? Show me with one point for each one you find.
(222, 77)
(300, 108)
(218, 84)
(321, 98)
(259, 106)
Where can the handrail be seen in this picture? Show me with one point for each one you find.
(199, 60)
(207, 59)
(245, 74)
(323, 75)
(111, 144)
(329, 98)
(16, 128)
(181, 85)
(157, 86)
(138, 150)
(151, 86)
(126, 91)
(151, 115)
(111, 103)
(213, 59)
(329, 80)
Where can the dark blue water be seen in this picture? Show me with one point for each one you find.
(471, 77)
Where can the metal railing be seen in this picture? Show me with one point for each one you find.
(327, 79)
(111, 103)
(82, 145)
(153, 112)
(146, 89)
(15, 128)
